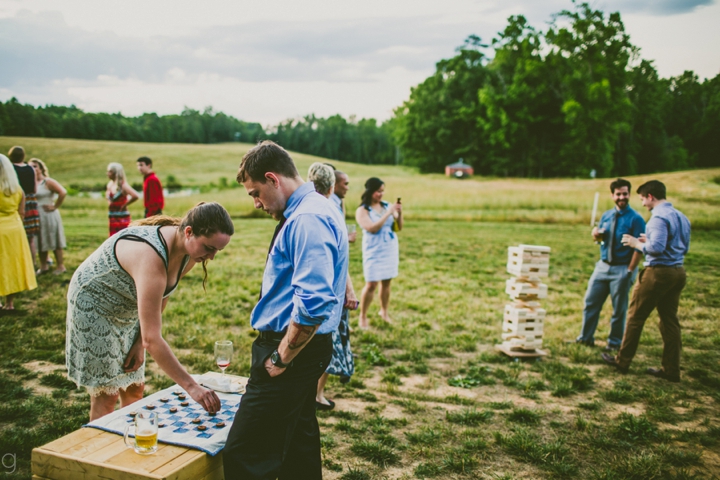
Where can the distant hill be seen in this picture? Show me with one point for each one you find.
(424, 196)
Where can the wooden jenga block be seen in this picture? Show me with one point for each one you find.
(524, 314)
(522, 344)
(525, 290)
(520, 254)
(527, 270)
(527, 303)
(535, 249)
(511, 329)
(530, 338)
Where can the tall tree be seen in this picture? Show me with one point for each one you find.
(592, 56)
(521, 100)
(438, 123)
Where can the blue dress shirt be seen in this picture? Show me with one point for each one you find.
(336, 200)
(628, 222)
(306, 270)
(668, 236)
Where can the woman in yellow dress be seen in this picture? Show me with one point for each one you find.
(16, 268)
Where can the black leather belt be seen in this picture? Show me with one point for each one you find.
(269, 335)
(664, 266)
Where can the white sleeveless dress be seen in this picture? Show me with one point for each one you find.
(102, 316)
(381, 252)
(52, 233)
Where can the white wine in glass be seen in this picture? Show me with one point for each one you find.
(223, 354)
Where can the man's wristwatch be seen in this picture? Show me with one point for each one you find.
(277, 361)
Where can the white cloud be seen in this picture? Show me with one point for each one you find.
(287, 58)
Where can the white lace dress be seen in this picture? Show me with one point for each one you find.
(102, 316)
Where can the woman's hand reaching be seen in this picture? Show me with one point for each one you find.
(207, 398)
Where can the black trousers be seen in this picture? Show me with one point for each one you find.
(275, 433)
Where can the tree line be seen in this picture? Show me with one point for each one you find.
(566, 101)
(190, 126)
(352, 140)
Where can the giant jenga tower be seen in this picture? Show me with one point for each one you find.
(523, 319)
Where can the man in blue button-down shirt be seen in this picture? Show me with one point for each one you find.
(275, 432)
(660, 284)
(616, 270)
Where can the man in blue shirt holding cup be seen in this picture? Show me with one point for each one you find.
(616, 270)
(275, 432)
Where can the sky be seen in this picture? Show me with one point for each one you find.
(280, 59)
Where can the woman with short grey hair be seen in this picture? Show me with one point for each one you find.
(342, 363)
(323, 177)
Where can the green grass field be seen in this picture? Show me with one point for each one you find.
(425, 197)
(431, 398)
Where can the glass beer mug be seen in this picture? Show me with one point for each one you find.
(146, 433)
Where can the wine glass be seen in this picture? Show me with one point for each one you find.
(223, 354)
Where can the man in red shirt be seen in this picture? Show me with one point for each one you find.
(152, 190)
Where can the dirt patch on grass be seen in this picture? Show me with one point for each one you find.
(42, 368)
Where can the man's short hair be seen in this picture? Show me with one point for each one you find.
(331, 166)
(338, 175)
(619, 183)
(655, 188)
(145, 160)
(16, 154)
(266, 157)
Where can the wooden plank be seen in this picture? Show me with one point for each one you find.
(217, 474)
(195, 467)
(72, 439)
(521, 354)
(107, 452)
(146, 463)
(64, 467)
(92, 445)
(181, 461)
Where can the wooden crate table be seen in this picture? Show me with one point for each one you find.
(90, 453)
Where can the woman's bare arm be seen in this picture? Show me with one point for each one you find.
(362, 216)
(150, 279)
(21, 205)
(128, 190)
(55, 187)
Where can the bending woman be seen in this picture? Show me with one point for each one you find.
(379, 245)
(116, 193)
(116, 299)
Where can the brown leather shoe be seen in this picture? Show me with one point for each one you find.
(660, 373)
(610, 360)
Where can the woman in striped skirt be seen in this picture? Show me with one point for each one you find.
(117, 193)
(26, 177)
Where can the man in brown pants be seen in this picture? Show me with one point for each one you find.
(660, 283)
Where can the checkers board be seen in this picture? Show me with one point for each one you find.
(181, 420)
